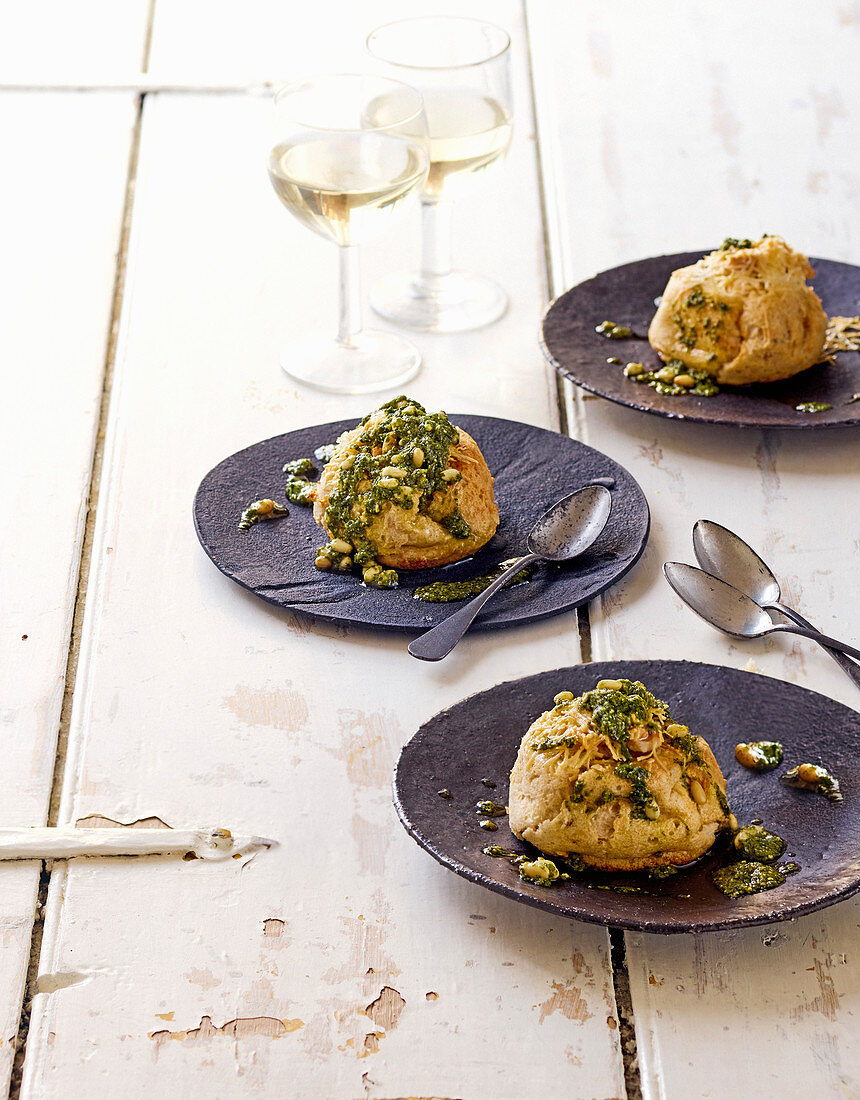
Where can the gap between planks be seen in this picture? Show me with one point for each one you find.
(143, 86)
(83, 577)
(618, 954)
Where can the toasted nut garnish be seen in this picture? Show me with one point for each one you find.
(323, 562)
(450, 474)
(341, 546)
(417, 457)
(652, 811)
(609, 685)
(685, 380)
(697, 791)
(563, 697)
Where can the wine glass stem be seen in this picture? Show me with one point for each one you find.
(436, 242)
(349, 297)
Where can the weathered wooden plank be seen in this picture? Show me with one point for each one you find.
(346, 961)
(56, 282)
(668, 139)
(88, 41)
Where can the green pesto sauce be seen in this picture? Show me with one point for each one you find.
(324, 452)
(740, 879)
(640, 793)
(612, 331)
(666, 871)
(299, 467)
(259, 510)
(759, 845)
(405, 429)
(540, 871)
(490, 808)
(444, 793)
(490, 826)
(498, 852)
(615, 710)
(448, 591)
(298, 490)
(761, 756)
(730, 244)
(813, 778)
(662, 380)
(618, 888)
(455, 525)
(790, 868)
(812, 407)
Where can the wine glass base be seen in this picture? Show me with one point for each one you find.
(457, 302)
(371, 361)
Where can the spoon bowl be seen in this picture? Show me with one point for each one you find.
(729, 610)
(724, 554)
(571, 525)
(563, 532)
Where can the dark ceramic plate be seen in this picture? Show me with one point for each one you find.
(626, 296)
(480, 737)
(533, 468)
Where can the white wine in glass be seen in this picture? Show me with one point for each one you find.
(461, 67)
(348, 153)
(470, 132)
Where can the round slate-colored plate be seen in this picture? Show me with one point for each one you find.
(626, 296)
(480, 736)
(533, 469)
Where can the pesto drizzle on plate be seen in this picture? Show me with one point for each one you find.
(448, 591)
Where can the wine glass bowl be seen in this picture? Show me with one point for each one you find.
(348, 152)
(462, 69)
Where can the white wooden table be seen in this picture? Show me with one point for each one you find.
(149, 277)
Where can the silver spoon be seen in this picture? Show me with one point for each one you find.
(724, 554)
(562, 532)
(724, 607)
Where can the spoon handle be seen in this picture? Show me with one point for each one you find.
(817, 636)
(441, 639)
(845, 663)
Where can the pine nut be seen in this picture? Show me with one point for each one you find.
(394, 471)
(450, 474)
(417, 457)
(563, 697)
(608, 685)
(652, 811)
(697, 791)
(341, 546)
(323, 562)
(674, 730)
(263, 507)
(685, 380)
(389, 482)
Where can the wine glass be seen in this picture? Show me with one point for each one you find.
(462, 69)
(348, 153)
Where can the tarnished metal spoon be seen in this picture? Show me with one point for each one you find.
(729, 610)
(562, 533)
(724, 554)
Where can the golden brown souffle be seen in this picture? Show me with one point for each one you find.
(743, 314)
(568, 800)
(415, 538)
